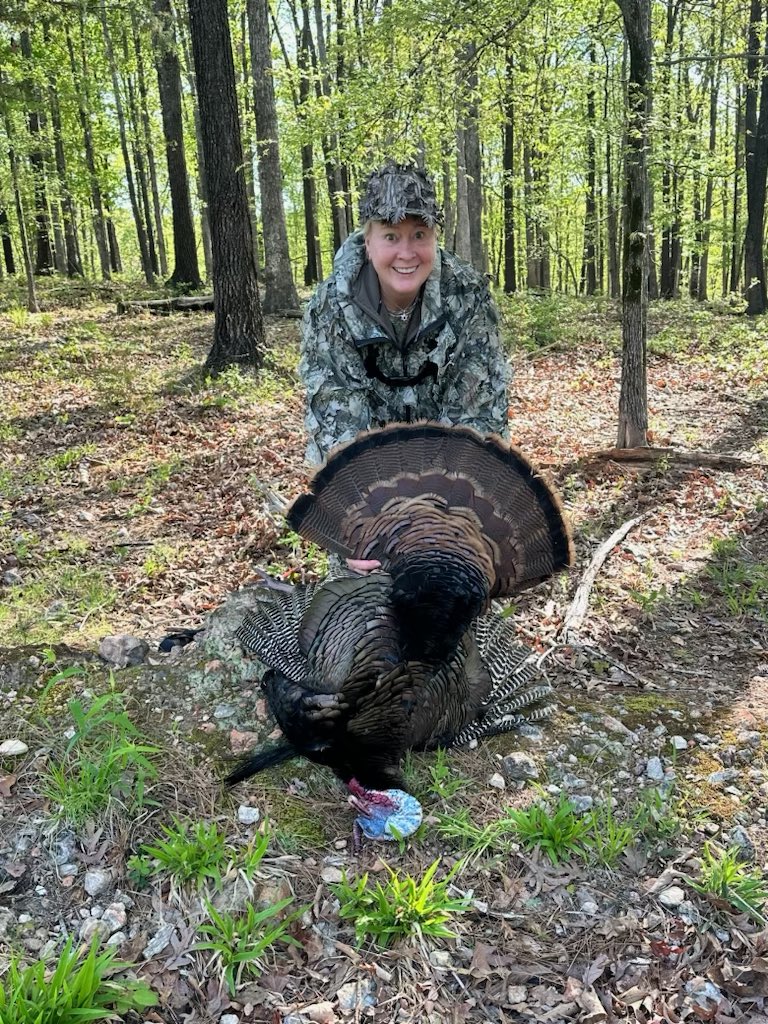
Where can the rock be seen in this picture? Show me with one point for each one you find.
(91, 927)
(12, 578)
(723, 777)
(248, 815)
(230, 1018)
(581, 804)
(517, 994)
(68, 870)
(519, 767)
(678, 742)
(571, 781)
(320, 1013)
(13, 748)
(158, 942)
(589, 908)
(614, 725)
(739, 837)
(115, 917)
(441, 959)
(689, 913)
(117, 939)
(123, 650)
(531, 733)
(496, 781)
(332, 875)
(97, 880)
(672, 897)
(357, 995)
(224, 711)
(654, 769)
(704, 994)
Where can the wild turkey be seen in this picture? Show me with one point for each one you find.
(365, 668)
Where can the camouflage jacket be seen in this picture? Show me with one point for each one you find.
(450, 367)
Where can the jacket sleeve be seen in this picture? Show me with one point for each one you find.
(337, 387)
(475, 386)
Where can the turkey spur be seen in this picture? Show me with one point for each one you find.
(364, 668)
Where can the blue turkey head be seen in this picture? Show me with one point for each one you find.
(386, 814)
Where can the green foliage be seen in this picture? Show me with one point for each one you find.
(534, 321)
(106, 766)
(738, 579)
(444, 782)
(197, 853)
(239, 941)
(301, 555)
(724, 876)
(402, 907)
(79, 988)
(560, 833)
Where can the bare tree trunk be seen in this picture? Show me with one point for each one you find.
(137, 217)
(714, 90)
(473, 161)
(239, 326)
(138, 161)
(279, 287)
(74, 266)
(186, 273)
(735, 275)
(32, 303)
(588, 268)
(44, 261)
(756, 161)
(633, 401)
(449, 208)
(5, 235)
(463, 236)
(82, 91)
(510, 268)
(149, 148)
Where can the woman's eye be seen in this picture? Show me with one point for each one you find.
(390, 237)
(420, 236)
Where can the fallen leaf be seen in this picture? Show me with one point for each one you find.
(7, 782)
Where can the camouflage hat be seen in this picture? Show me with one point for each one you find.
(396, 191)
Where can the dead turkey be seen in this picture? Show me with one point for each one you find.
(365, 668)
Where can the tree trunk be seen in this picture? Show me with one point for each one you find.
(141, 233)
(186, 274)
(714, 90)
(449, 209)
(735, 275)
(74, 266)
(473, 161)
(138, 160)
(463, 231)
(279, 287)
(44, 261)
(588, 267)
(756, 160)
(633, 401)
(313, 268)
(32, 304)
(5, 235)
(239, 327)
(149, 148)
(510, 269)
(82, 91)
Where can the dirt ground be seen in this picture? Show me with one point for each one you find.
(136, 497)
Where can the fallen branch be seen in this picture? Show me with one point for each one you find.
(577, 610)
(693, 459)
(184, 304)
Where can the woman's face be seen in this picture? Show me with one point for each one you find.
(403, 256)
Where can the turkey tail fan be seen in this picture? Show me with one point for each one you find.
(267, 757)
(409, 488)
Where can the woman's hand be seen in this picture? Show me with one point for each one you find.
(363, 565)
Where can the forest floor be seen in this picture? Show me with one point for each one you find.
(135, 497)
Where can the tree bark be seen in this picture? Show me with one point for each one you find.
(186, 273)
(279, 287)
(5, 235)
(588, 266)
(141, 232)
(735, 274)
(510, 268)
(29, 273)
(83, 109)
(142, 179)
(44, 260)
(473, 161)
(463, 245)
(239, 326)
(756, 159)
(148, 147)
(74, 266)
(633, 401)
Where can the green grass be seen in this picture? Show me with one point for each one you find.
(403, 907)
(79, 988)
(722, 875)
(106, 766)
(738, 579)
(239, 941)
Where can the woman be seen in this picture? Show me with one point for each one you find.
(401, 330)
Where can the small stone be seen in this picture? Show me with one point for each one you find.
(679, 742)
(248, 815)
(115, 917)
(12, 578)
(654, 769)
(67, 870)
(590, 908)
(97, 880)
(224, 711)
(13, 748)
(614, 725)
(332, 875)
(739, 837)
(672, 897)
(92, 927)
(723, 777)
(122, 650)
(689, 913)
(582, 803)
(519, 767)
(230, 1018)
(441, 959)
(532, 733)
(340, 844)
(571, 781)
(117, 939)
(158, 942)
(517, 994)
(357, 995)
(703, 993)
(496, 781)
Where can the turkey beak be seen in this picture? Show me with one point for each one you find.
(360, 805)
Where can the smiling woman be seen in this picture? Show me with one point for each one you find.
(402, 330)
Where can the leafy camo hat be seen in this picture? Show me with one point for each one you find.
(396, 191)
